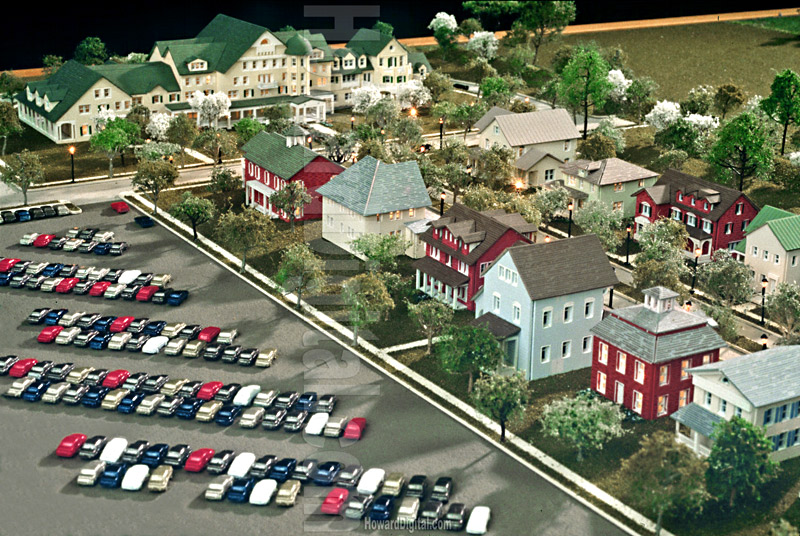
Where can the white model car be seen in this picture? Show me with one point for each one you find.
(27, 239)
(113, 291)
(371, 481)
(103, 236)
(226, 336)
(155, 344)
(90, 473)
(128, 276)
(478, 522)
(55, 392)
(112, 452)
(67, 335)
(72, 245)
(175, 346)
(97, 274)
(316, 424)
(246, 395)
(134, 477)
(70, 319)
(161, 280)
(263, 491)
(50, 284)
(241, 464)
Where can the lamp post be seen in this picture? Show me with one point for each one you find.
(352, 122)
(413, 113)
(383, 133)
(519, 185)
(764, 284)
(72, 160)
(547, 239)
(697, 253)
(441, 132)
(441, 205)
(569, 229)
(628, 245)
(309, 142)
(763, 341)
(611, 293)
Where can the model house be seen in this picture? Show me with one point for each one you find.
(715, 216)
(548, 131)
(771, 248)
(762, 388)
(642, 354)
(460, 246)
(372, 197)
(271, 161)
(542, 317)
(611, 181)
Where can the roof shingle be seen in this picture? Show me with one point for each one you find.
(537, 127)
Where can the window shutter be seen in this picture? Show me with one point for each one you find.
(767, 416)
(775, 442)
(795, 409)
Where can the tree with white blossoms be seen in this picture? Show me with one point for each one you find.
(783, 308)
(484, 44)
(549, 201)
(794, 158)
(705, 124)
(607, 129)
(603, 221)
(663, 114)
(445, 29)
(587, 422)
(413, 94)
(364, 97)
(210, 108)
(158, 125)
(156, 150)
(619, 84)
(103, 117)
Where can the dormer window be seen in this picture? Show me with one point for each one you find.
(198, 65)
(693, 201)
(705, 205)
(680, 196)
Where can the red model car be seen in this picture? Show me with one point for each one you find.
(99, 288)
(121, 324)
(334, 502)
(208, 390)
(70, 445)
(7, 264)
(355, 428)
(67, 284)
(198, 460)
(120, 207)
(22, 367)
(43, 240)
(208, 334)
(115, 378)
(146, 293)
(49, 334)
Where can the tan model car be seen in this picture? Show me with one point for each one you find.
(287, 493)
(267, 357)
(159, 478)
(218, 487)
(112, 399)
(393, 485)
(208, 411)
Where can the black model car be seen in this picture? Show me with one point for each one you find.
(220, 462)
(113, 275)
(6, 362)
(35, 282)
(190, 332)
(177, 455)
(135, 451)
(326, 403)
(68, 270)
(430, 513)
(138, 325)
(57, 243)
(118, 248)
(135, 381)
(60, 372)
(417, 486)
(75, 393)
(287, 399)
(153, 384)
(8, 216)
(92, 447)
(190, 389)
(40, 369)
(37, 213)
(230, 354)
(87, 234)
(20, 267)
(143, 279)
(442, 489)
(295, 420)
(87, 247)
(262, 466)
(37, 315)
(160, 296)
(19, 280)
(349, 475)
(213, 352)
(456, 517)
(227, 392)
(96, 377)
(169, 406)
(273, 418)
(136, 342)
(49, 211)
(129, 292)
(247, 356)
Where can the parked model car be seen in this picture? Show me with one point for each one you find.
(393, 485)
(442, 489)
(60, 371)
(295, 420)
(94, 396)
(118, 341)
(266, 358)
(113, 291)
(326, 403)
(194, 349)
(479, 518)
(355, 428)
(417, 486)
(176, 297)
(246, 356)
(263, 465)
(371, 481)
(335, 501)
(208, 411)
(265, 399)
(252, 417)
(155, 344)
(177, 455)
(68, 335)
(172, 329)
(19, 387)
(150, 404)
(112, 451)
(154, 455)
(230, 354)
(430, 513)
(173, 386)
(358, 506)
(169, 406)
(334, 427)
(135, 477)
(287, 493)
(273, 418)
(113, 399)
(245, 396)
(227, 392)
(262, 492)
(70, 445)
(118, 248)
(283, 469)
(55, 392)
(50, 284)
(198, 460)
(137, 342)
(113, 474)
(325, 474)
(287, 399)
(78, 374)
(159, 478)
(22, 367)
(75, 394)
(90, 473)
(220, 462)
(134, 382)
(6, 363)
(218, 487)
(189, 408)
(130, 402)
(190, 332)
(227, 415)
(349, 475)
(304, 469)
(175, 346)
(408, 511)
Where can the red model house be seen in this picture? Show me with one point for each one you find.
(460, 245)
(715, 216)
(271, 160)
(642, 354)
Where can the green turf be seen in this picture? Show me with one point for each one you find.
(780, 24)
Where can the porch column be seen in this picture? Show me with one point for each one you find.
(416, 281)
(455, 297)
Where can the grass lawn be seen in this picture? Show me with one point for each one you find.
(780, 24)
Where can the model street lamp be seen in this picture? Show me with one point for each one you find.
(763, 341)
(611, 292)
(764, 284)
(688, 306)
(519, 185)
(441, 132)
(413, 113)
(441, 205)
(72, 160)
(697, 253)
(628, 245)
(309, 142)
(547, 238)
(569, 229)
(352, 122)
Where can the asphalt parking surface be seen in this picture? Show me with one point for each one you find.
(404, 433)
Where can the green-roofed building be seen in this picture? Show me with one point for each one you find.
(373, 197)
(771, 248)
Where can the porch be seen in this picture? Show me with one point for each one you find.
(441, 282)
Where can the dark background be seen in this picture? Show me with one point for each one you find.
(33, 30)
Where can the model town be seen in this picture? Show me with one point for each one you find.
(512, 282)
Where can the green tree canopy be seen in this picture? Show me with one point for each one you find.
(10, 85)
(9, 123)
(224, 182)
(598, 218)
(152, 177)
(549, 201)
(367, 300)
(502, 398)
(727, 280)
(246, 128)
(783, 103)
(438, 83)
(494, 167)
(118, 134)
(742, 150)
(300, 270)
(291, 199)
(216, 143)
(597, 147)
(339, 146)
(470, 350)
(52, 63)
(432, 317)
(661, 260)
(381, 251)
(22, 170)
(728, 98)
(90, 51)
(783, 308)
(182, 131)
(384, 28)
(195, 210)
(244, 232)
(584, 81)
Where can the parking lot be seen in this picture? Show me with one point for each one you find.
(404, 432)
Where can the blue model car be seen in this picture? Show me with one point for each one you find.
(52, 318)
(144, 221)
(5, 279)
(240, 489)
(94, 396)
(326, 473)
(112, 476)
(100, 342)
(283, 469)
(52, 269)
(189, 408)
(227, 415)
(154, 328)
(177, 297)
(22, 215)
(382, 508)
(35, 391)
(102, 249)
(103, 323)
(129, 403)
(155, 454)
(307, 402)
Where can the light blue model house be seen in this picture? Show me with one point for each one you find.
(541, 300)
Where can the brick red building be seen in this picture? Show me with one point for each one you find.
(272, 160)
(460, 245)
(642, 354)
(715, 216)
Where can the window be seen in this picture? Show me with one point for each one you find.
(794, 260)
(691, 220)
(637, 402)
(744, 224)
(766, 255)
(619, 186)
(617, 205)
(638, 373)
(496, 129)
(707, 400)
(568, 313)
(603, 357)
(545, 354)
(684, 398)
(663, 375)
(547, 317)
(496, 302)
(676, 214)
(517, 313)
(723, 407)
(755, 251)
(411, 213)
(601, 383)
(566, 349)
(587, 344)
(566, 145)
(706, 359)
(622, 359)
(728, 228)
(84, 108)
(645, 209)
(549, 174)
(777, 259)
(588, 308)
(739, 208)
(686, 364)
(768, 417)
(663, 402)
(693, 201)
(737, 411)
(707, 226)
(641, 183)
(680, 196)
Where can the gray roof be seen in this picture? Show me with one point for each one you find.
(419, 226)
(697, 418)
(531, 158)
(502, 329)
(493, 112)
(440, 272)
(765, 377)
(656, 348)
(607, 171)
(371, 187)
(658, 323)
(537, 127)
(543, 266)
(660, 293)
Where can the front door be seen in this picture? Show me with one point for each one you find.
(619, 393)
(510, 356)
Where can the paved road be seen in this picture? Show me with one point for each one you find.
(405, 433)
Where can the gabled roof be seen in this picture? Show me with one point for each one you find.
(269, 150)
(764, 378)
(487, 118)
(65, 86)
(369, 42)
(314, 40)
(787, 231)
(606, 172)
(371, 187)
(417, 60)
(767, 214)
(542, 267)
(537, 127)
(501, 329)
(697, 418)
(139, 78)
(531, 158)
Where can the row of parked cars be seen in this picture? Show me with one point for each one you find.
(33, 213)
(89, 240)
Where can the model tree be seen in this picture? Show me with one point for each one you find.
(742, 149)
(384, 28)
(483, 45)
(195, 210)
(22, 170)
(209, 108)
(438, 83)
(152, 177)
(549, 201)
(52, 63)
(9, 123)
(585, 422)
(383, 112)
(739, 463)
(445, 30)
(216, 143)
(502, 398)
(10, 85)
(224, 182)
(728, 98)
(494, 167)
(467, 114)
(432, 317)
(277, 117)
(783, 308)
(139, 115)
(181, 131)
(381, 251)
(727, 280)
(470, 350)
(118, 134)
(584, 82)
(367, 300)
(246, 128)
(339, 146)
(291, 199)
(665, 475)
(597, 147)
(244, 231)
(783, 103)
(661, 260)
(598, 218)
(300, 270)
(90, 51)
(407, 132)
